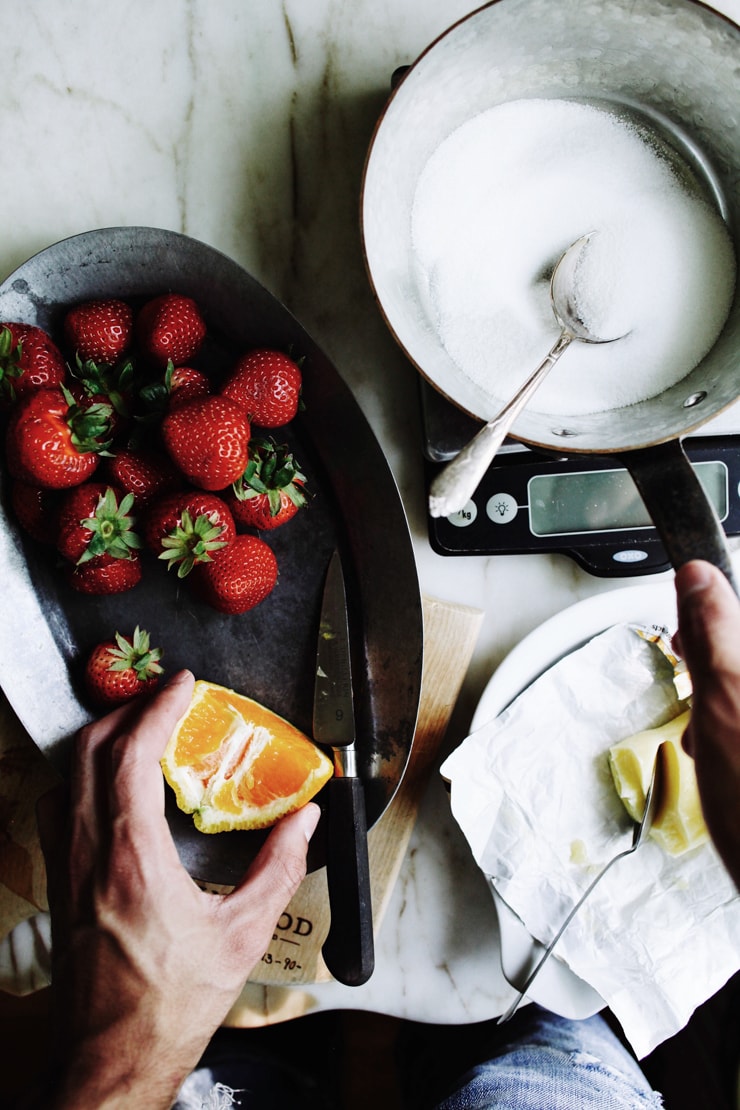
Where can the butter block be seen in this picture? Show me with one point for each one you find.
(679, 824)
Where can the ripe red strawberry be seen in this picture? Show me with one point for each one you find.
(208, 439)
(105, 575)
(121, 669)
(170, 328)
(37, 511)
(94, 520)
(145, 473)
(187, 529)
(99, 331)
(54, 443)
(242, 576)
(270, 491)
(29, 360)
(186, 384)
(267, 384)
(176, 386)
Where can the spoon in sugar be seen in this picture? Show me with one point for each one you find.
(453, 486)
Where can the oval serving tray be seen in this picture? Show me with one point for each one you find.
(269, 652)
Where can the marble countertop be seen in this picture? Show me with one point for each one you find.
(246, 126)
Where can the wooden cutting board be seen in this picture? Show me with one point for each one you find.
(294, 955)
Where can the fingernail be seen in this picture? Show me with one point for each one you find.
(179, 678)
(310, 815)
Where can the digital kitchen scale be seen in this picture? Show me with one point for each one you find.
(584, 506)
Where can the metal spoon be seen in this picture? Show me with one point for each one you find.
(453, 487)
(653, 799)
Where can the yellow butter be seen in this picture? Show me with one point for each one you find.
(679, 824)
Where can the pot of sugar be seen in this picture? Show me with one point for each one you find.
(525, 126)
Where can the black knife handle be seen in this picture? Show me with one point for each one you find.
(348, 950)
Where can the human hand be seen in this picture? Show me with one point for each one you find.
(145, 965)
(709, 640)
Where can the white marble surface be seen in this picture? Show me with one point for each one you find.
(246, 126)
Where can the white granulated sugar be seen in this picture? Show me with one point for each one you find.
(501, 199)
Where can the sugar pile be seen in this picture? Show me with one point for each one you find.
(501, 199)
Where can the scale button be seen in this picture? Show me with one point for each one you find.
(629, 555)
(465, 516)
(501, 508)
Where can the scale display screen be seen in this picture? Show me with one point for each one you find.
(568, 504)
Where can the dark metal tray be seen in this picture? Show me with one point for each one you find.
(269, 652)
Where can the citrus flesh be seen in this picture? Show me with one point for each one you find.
(235, 764)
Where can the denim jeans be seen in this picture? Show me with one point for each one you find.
(555, 1064)
(536, 1062)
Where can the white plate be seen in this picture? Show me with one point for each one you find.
(557, 988)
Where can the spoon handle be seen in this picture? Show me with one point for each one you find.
(548, 951)
(653, 800)
(453, 487)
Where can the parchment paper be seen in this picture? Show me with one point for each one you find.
(533, 794)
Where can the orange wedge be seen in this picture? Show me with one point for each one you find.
(234, 764)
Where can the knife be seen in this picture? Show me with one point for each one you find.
(348, 950)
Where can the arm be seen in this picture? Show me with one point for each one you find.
(709, 639)
(145, 964)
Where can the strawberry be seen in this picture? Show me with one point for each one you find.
(37, 511)
(156, 398)
(105, 575)
(267, 384)
(170, 328)
(94, 520)
(270, 491)
(119, 670)
(29, 360)
(187, 529)
(146, 473)
(99, 331)
(53, 442)
(186, 384)
(208, 439)
(242, 576)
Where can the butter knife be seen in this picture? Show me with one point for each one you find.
(348, 950)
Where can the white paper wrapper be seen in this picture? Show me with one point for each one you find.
(533, 794)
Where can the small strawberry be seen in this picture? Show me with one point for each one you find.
(121, 669)
(99, 331)
(29, 360)
(170, 328)
(186, 384)
(208, 439)
(177, 386)
(187, 529)
(270, 491)
(105, 575)
(242, 576)
(94, 520)
(267, 384)
(54, 443)
(146, 473)
(37, 511)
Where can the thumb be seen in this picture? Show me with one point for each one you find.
(280, 867)
(708, 616)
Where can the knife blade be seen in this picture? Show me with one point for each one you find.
(348, 950)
